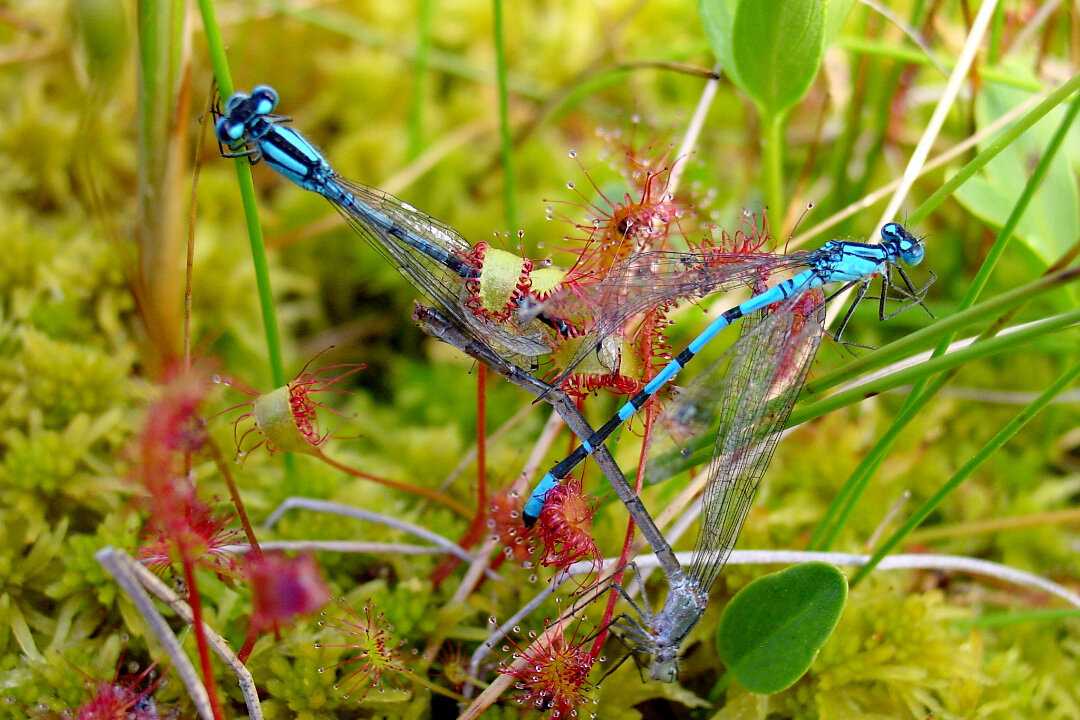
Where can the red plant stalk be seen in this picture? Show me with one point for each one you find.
(430, 494)
(475, 530)
(249, 532)
(234, 496)
(172, 428)
(481, 443)
(195, 601)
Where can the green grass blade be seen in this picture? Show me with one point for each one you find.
(945, 327)
(844, 503)
(420, 70)
(219, 61)
(1052, 101)
(992, 446)
(509, 210)
(941, 363)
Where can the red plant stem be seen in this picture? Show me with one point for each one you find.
(200, 637)
(425, 492)
(238, 502)
(476, 527)
(234, 495)
(245, 522)
(249, 644)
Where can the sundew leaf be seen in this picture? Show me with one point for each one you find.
(1052, 221)
(772, 629)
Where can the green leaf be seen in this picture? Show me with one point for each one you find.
(772, 630)
(836, 12)
(779, 48)
(1052, 221)
(718, 20)
(620, 694)
(771, 49)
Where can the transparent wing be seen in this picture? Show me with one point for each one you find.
(685, 432)
(439, 283)
(743, 401)
(649, 280)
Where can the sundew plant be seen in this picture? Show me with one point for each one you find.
(266, 454)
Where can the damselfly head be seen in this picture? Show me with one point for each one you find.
(241, 108)
(908, 247)
(235, 101)
(263, 100)
(229, 131)
(665, 665)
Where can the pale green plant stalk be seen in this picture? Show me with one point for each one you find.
(220, 62)
(509, 206)
(163, 87)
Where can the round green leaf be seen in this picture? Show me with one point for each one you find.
(772, 630)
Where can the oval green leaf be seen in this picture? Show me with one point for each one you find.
(779, 44)
(1051, 222)
(772, 629)
(718, 20)
(771, 49)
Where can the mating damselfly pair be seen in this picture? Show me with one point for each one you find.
(743, 401)
(745, 398)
